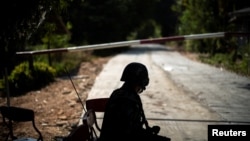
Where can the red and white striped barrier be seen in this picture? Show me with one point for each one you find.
(134, 42)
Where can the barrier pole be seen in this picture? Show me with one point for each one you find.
(124, 43)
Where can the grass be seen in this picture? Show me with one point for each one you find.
(239, 65)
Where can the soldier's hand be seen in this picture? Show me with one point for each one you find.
(155, 129)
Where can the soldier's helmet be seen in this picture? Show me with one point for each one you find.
(136, 73)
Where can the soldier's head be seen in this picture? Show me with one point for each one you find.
(136, 74)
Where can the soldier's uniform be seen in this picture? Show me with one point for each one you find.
(124, 118)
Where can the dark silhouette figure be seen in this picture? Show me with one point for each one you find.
(124, 118)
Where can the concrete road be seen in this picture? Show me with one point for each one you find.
(183, 96)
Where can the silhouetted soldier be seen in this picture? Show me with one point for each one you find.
(124, 118)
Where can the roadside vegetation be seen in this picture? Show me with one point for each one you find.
(232, 52)
(239, 65)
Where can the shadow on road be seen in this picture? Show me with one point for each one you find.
(141, 49)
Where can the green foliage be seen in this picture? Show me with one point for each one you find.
(23, 79)
(56, 41)
(192, 46)
(20, 20)
(38, 23)
(1, 84)
(196, 17)
(208, 16)
(225, 61)
(60, 60)
(70, 61)
(108, 21)
(218, 60)
(149, 29)
(166, 17)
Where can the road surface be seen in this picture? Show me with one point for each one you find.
(183, 96)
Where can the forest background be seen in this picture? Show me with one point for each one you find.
(44, 24)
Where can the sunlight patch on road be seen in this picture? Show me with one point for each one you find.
(172, 68)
